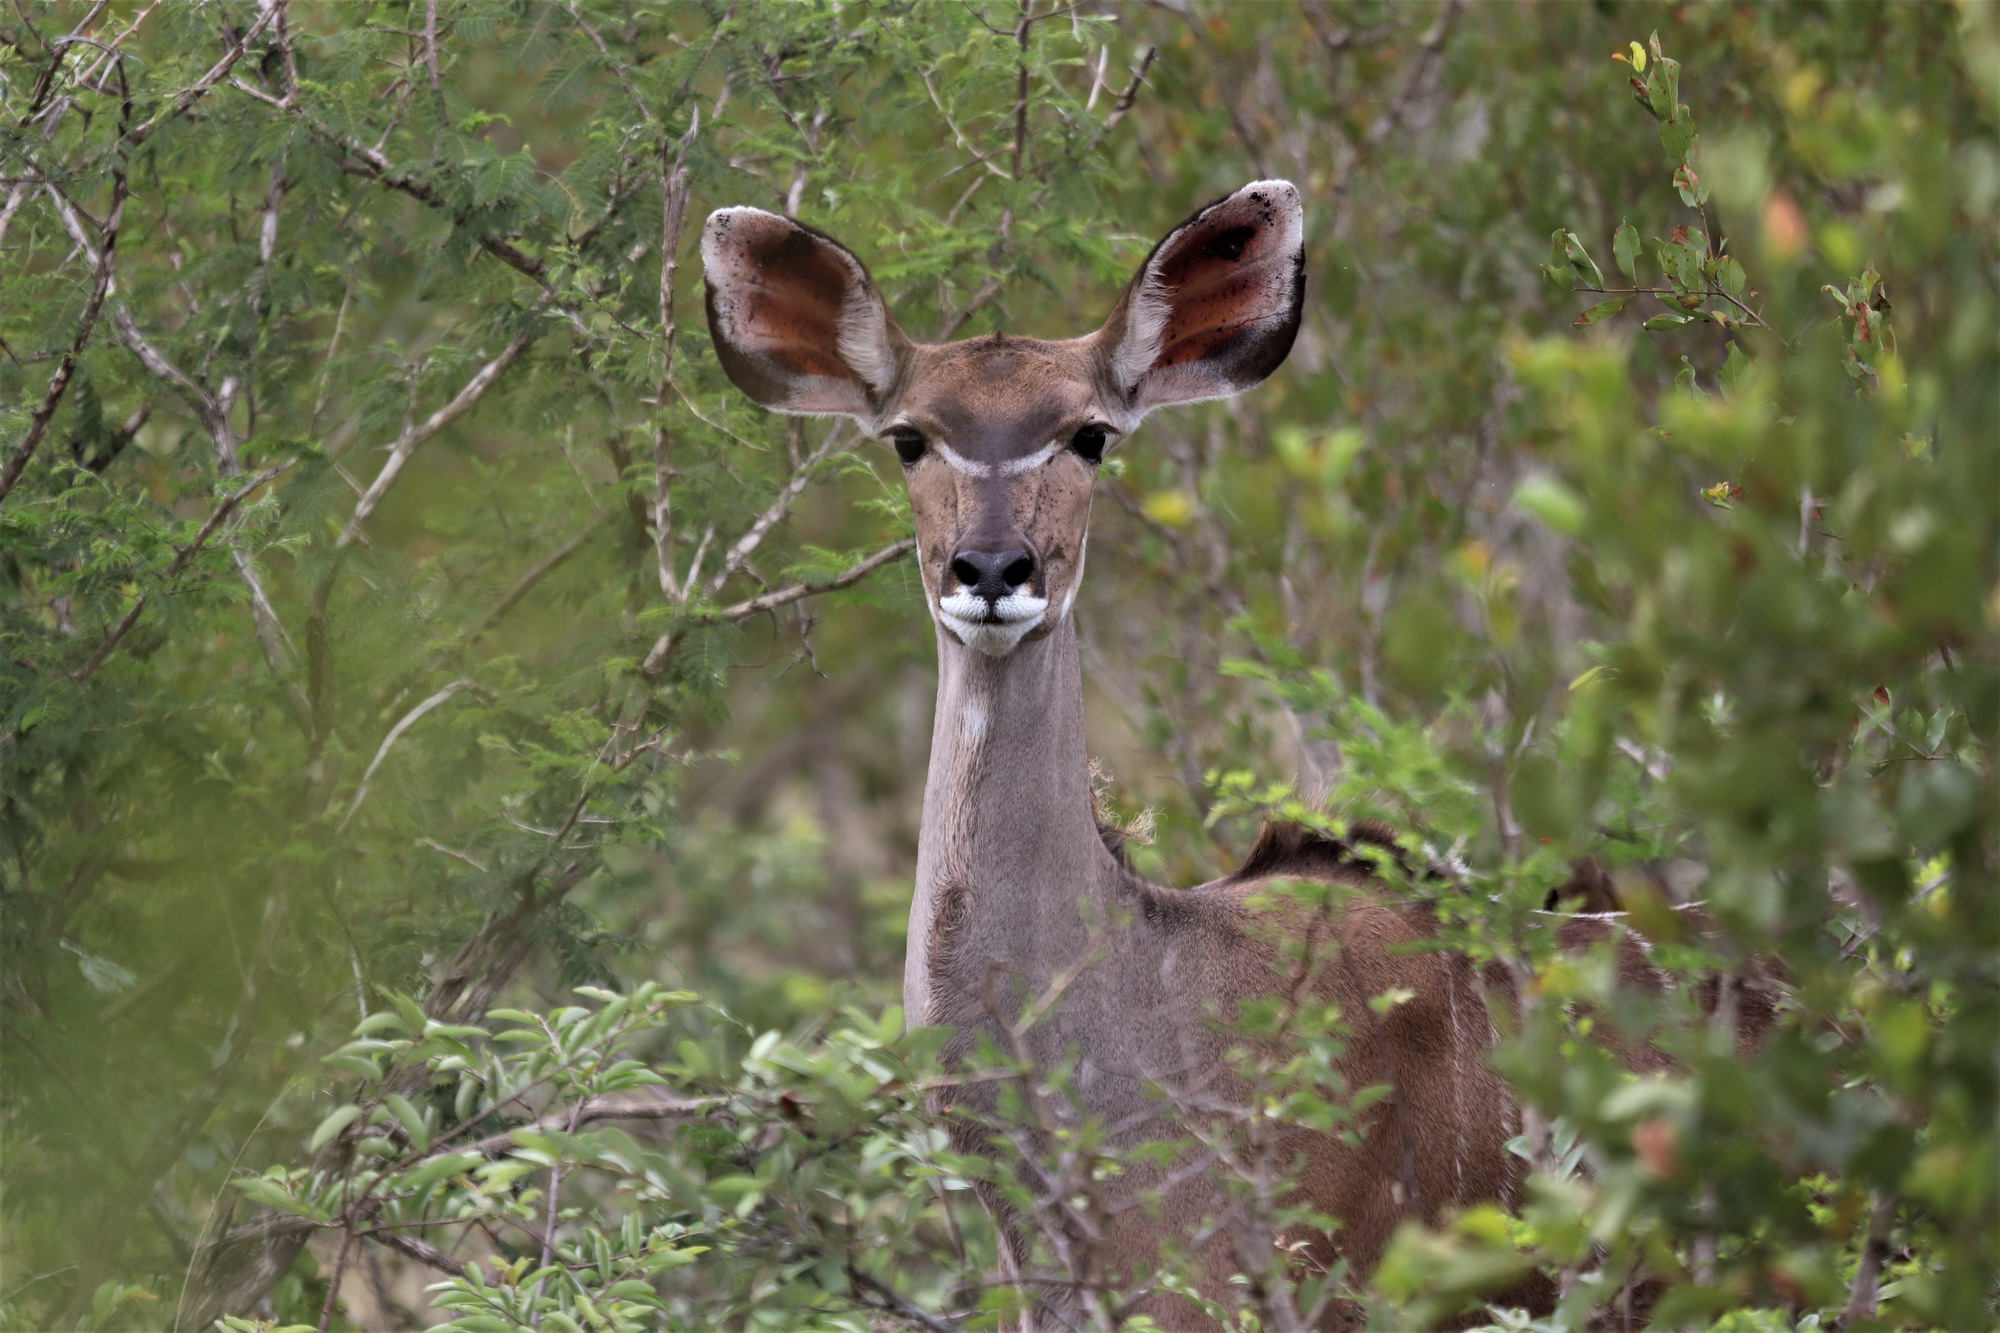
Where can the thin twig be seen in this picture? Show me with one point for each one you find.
(403, 724)
(1750, 316)
(894, 1302)
(747, 544)
(983, 159)
(416, 433)
(846, 578)
(1131, 93)
(412, 1247)
(673, 216)
(663, 647)
(522, 586)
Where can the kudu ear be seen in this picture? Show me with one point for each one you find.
(1216, 305)
(797, 322)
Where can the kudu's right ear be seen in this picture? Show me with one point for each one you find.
(1216, 305)
(797, 323)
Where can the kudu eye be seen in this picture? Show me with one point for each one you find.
(1089, 444)
(909, 442)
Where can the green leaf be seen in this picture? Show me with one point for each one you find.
(1735, 366)
(359, 1065)
(1677, 134)
(410, 1119)
(1729, 275)
(1625, 250)
(382, 1020)
(1603, 310)
(428, 1173)
(1552, 502)
(1667, 320)
(340, 1118)
(1579, 259)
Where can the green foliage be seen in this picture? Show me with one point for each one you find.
(383, 553)
(575, 1182)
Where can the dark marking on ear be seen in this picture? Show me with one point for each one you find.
(797, 323)
(1216, 306)
(1230, 244)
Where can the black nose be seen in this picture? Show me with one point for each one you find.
(992, 574)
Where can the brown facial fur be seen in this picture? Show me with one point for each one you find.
(993, 402)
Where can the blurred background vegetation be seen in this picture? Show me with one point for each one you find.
(384, 550)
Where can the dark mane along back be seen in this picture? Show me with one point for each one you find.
(1285, 847)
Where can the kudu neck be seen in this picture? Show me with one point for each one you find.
(1009, 860)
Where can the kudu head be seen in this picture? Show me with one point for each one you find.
(1000, 437)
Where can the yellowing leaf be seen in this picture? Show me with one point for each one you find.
(1173, 509)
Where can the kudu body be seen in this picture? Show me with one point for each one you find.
(1017, 895)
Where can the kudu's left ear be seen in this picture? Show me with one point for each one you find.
(797, 322)
(1216, 305)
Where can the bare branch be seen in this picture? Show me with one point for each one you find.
(403, 724)
(431, 59)
(15, 197)
(1131, 93)
(416, 1248)
(748, 543)
(155, 361)
(988, 289)
(673, 216)
(417, 433)
(110, 49)
(888, 1299)
(358, 159)
(847, 578)
(59, 383)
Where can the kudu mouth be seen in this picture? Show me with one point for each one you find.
(987, 596)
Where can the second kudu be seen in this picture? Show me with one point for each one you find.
(1017, 894)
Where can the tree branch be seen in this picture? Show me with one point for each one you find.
(595, 1109)
(673, 215)
(663, 647)
(194, 91)
(59, 383)
(206, 409)
(846, 578)
(403, 724)
(416, 1248)
(417, 433)
(748, 543)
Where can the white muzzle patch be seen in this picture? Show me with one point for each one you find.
(993, 628)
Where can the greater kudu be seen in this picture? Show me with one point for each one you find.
(1000, 439)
